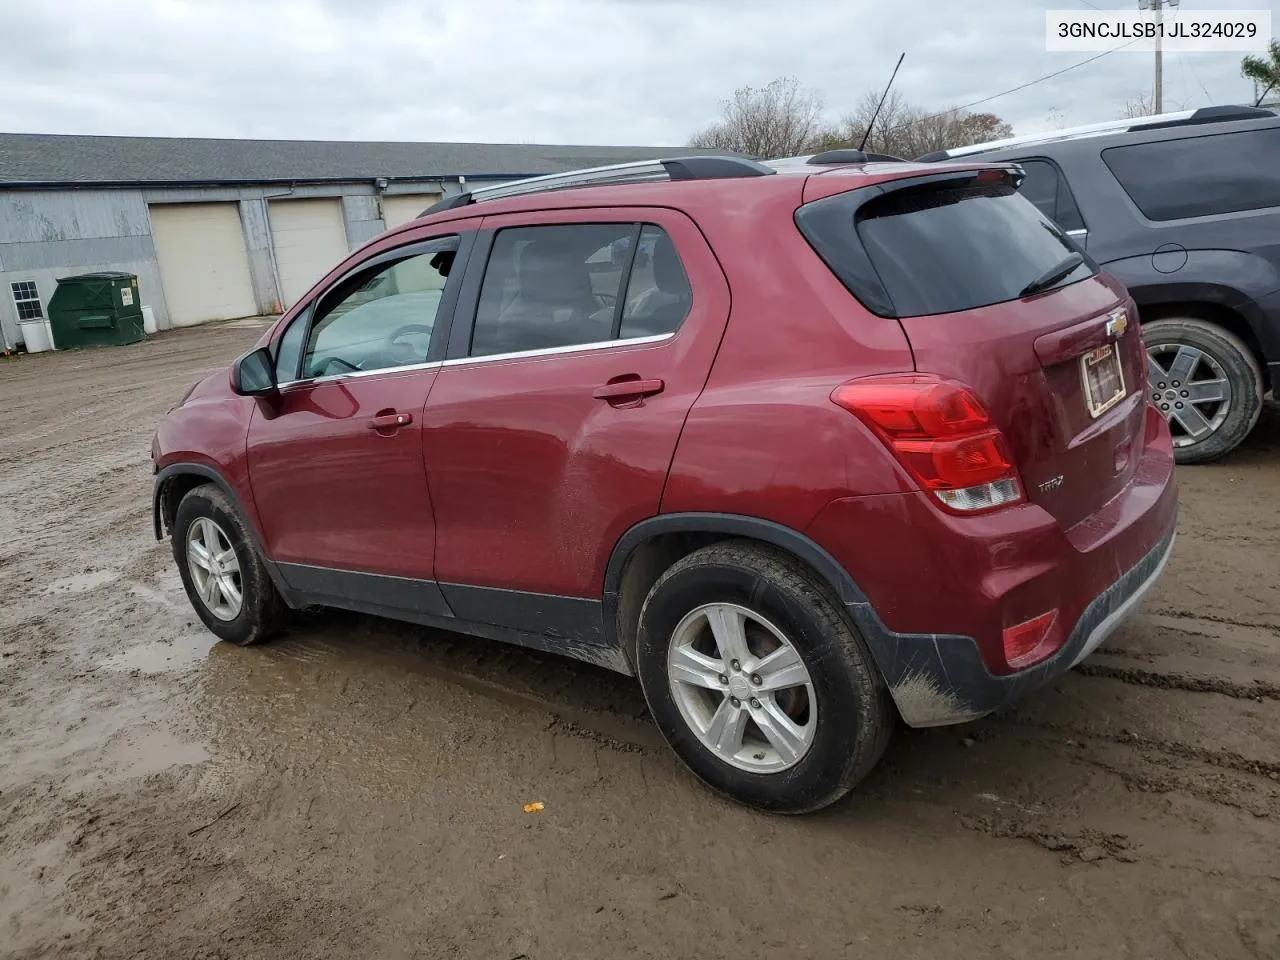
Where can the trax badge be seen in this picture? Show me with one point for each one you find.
(1053, 483)
(1117, 323)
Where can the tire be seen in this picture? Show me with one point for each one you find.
(261, 612)
(1221, 349)
(852, 716)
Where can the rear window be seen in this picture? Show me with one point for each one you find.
(1200, 176)
(942, 250)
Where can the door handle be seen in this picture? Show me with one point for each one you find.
(618, 389)
(389, 421)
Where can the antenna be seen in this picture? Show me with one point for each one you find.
(875, 116)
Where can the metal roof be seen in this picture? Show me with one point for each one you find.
(30, 159)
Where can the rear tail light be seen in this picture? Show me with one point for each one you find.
(1029, 642)
(941, 433)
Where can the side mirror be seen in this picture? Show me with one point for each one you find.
(254, 374)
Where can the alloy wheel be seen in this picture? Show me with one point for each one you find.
(214, 568)
(742, 688)
(1190, 387)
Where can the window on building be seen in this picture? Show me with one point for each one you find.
(1200, 176)
(27, 299)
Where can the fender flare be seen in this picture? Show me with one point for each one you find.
(211, 474)
(736, 525)
(207, 472)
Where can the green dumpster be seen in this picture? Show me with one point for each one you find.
(96, 310)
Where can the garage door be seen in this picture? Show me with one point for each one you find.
(402, 209)
(203, 265)
(309, 241)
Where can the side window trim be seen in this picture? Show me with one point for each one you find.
(468, 299)
(467, 303)
(462, 242)
(302, 321)
(624, 293)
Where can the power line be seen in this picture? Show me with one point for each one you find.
(1195, 73)
(1005, 93)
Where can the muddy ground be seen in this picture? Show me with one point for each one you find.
(356, 788)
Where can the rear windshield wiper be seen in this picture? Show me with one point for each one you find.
(1052, 275)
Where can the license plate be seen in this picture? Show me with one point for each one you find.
(1103, 379)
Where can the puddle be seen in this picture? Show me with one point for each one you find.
(174, 600)
(146, 750)
(81, 582)
(180, 654)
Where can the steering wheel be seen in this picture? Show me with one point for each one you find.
(409, 328)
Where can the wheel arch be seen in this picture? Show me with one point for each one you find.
(649, 547)
(176, 480)
(1207, 303)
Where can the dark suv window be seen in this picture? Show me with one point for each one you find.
(573, 284)
(940, 250)
(1048, 190)
(1200, 176)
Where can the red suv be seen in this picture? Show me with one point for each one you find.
(805, 446)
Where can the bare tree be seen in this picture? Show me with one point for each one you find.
(1139, 105)
(1144, 105)
(777, 120)
(907, 131)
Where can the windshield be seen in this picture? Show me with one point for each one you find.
(957, 248)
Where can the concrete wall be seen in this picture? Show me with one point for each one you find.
(45, 235)
(48, 234)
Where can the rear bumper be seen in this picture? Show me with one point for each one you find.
(940, 680)
(938, 591)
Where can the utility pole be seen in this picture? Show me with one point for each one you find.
(1158, 6)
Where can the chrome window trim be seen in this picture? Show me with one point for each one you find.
(555, 351)
(516, 355)
(357, 374)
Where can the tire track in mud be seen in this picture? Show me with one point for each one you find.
(1258, 690)
(1226, 759)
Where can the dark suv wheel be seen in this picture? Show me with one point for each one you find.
(1207, 384)
(757, 680)
(224, 577)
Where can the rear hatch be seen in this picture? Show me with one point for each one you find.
(990, 293)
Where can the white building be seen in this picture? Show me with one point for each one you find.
(216, 229)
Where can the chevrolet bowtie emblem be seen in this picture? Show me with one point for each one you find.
(1117, 323)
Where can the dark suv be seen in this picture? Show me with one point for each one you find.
(807, 447)
(1184, 209)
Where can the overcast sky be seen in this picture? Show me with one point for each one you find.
(553, 71)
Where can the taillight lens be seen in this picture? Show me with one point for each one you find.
(941, 433)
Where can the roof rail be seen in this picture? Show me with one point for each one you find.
(1158, 121)
(640, 171)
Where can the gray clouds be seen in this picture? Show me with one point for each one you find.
(575, 71)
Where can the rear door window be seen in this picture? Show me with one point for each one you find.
(567, 285)
(1200, 176)
(658, 293)
(942, 250)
